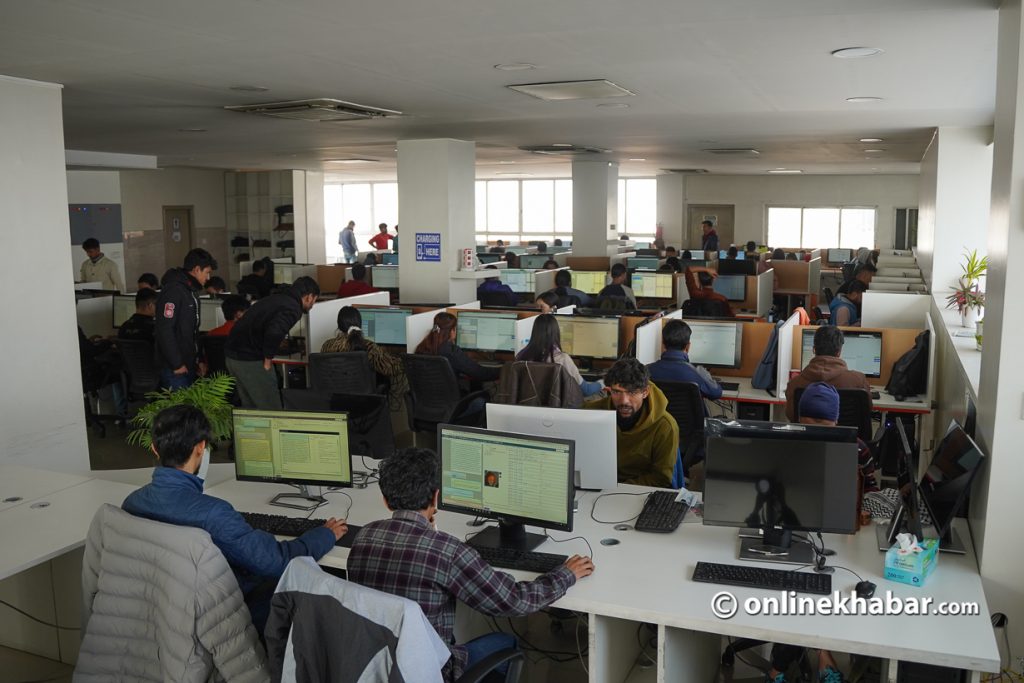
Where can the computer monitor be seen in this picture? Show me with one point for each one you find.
(804, 481)
(384, 277)
(123, 308)
(907, 516)
(723, 255)
(643, 262)
(389, 259)
(283, 273)
(593, 432)
(385, 325)
(557, 250)
(513, 478)
(651, 285)
(489, 258)
(589, 281)
(210, 314)
(486, 331)
(862, 351)
(646, 251)
(839, 255)
(641, 245)
(285, 447)
(731, 267)
(947, 482)
(733, 287)
(520, 280)
(516, 250)
(534, 261)
(716, 344)
(589, 337)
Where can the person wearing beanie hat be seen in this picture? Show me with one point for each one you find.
(819, 404)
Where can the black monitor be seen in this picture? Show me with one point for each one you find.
(486, 331)
(290, 447)
(907, 517)
(732, 287)
(716, 344)
(490, 258)
(780, 478)
(839, 255)
(734, 267)
(516, 479)
(947, 482)
(385, 325)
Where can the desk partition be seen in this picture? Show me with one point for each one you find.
(648, 337)
(544, 280)
(322, 319)
(588, 262)
(893, 309)
(94, 315)
(417, 326)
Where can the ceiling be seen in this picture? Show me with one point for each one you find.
(705, 73)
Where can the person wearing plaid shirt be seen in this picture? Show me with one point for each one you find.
(407, 556)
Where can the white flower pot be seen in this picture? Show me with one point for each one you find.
(969, 318)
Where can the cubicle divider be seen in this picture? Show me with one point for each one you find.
(472, 305)
(562, 258)
(96, 315)
(895, 342)
(814, 276)
(566, 310)
(84, 286)
(524, 330)
(765, 285)
(621, 257)
(648, 337)
(330, 277)
(893, 309)
(544, 280)
(322, 320)
(787, 331)
(679, 286)
(417, 326)
(588, 262)
(794, 276)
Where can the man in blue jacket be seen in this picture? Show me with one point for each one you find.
(675, 366)
(175, 496)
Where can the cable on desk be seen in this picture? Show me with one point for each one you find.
(554, 655)
(350, 501)
(579, 650)
(736, 654)
(617, 493)
(485, 527)
(37, 620)
(571, 538)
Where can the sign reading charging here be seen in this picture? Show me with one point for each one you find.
(428, 246)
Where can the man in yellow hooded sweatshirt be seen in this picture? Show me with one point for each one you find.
(647, 437)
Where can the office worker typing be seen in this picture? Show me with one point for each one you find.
(141, 325)
(618, 288)
(440, 341)
(825, 366)
(675, 365)
(545, 346)
(495, 292)
(564, 290)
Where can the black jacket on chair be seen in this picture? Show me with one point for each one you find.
(258, 334)
(177, 320)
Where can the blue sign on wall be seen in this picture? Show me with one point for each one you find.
(428, 246)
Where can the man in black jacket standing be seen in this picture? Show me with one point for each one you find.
(256, 338)
(177, 319)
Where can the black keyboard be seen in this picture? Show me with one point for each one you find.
(759, 577)
(875, 395)
(729, 386)
(509, 558)
(661, 513)
(280, 525)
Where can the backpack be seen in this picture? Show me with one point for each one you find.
(910, 373)
(765, 374)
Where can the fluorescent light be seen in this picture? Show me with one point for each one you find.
(638, 159)
(785, 171)
(515, 66)
(856, 52)
(561, 144)
(871, 139)
(613, 105)
(191, 130)
(350, 161)
(248, 88)
(572, 90)
(860, 100)
(871, 151)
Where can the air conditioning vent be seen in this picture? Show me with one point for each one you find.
(323, 109)
(733, 151)
(562, 150)
(686, 171)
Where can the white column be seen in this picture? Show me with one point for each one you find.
(436, 196)
(42, 415)
(308, 202)
(595, 190)
(671, 198)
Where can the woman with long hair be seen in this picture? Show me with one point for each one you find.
(350, 337)
(545, 346)
(440, 341)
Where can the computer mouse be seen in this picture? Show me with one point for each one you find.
(865, 589)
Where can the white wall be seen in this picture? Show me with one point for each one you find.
(928, 186)
(671, 197)
(145, 193)
(96, 187)
(42, 419)
(752, 194)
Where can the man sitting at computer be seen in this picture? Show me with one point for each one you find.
(141, 325)
(563, 288)
(825, 366)
(618, 288)
(407, 556)
(700, 284)
(175, 496)
(233, 308)
(675, 366)
(356, 283)
(647, 437)
(492, 291)
(845, 307)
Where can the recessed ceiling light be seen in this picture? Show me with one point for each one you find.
(613, 105)
(785, 171)
(515, 66)
(191, 130)
(872, 151)
(506, 162)
(871, 139)
(858, 100)
(249, 88)
(856, 52)
(521, 175)
(638, 159)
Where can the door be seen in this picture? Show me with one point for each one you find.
(906, 229)
(177, 234)
(721, 215)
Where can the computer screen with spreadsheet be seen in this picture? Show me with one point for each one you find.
(292, 447)
(839, 255)
(519, 279)
(589, 337)
(862, 351)
(589, 281)
(385, 325)
(652, 285)
(124, 308)
(733, 287)
(716, 344)
(535, 261)
(514, 478)
(384, 277)
(643, 262)
(481, 331)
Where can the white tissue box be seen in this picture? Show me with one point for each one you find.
(912, 568)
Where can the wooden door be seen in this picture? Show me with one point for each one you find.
(177, 234)
(722, 215)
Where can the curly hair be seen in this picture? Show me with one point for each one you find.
(409, 478)
(628, 373)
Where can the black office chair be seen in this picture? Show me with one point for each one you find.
(212, 349)
(706, 308)
(854, 411)
(566, 299)
(369, 421)
(613, 303)
(343, 373)
(140, 370)
(499, 299)
(686, 405)
(434, 396)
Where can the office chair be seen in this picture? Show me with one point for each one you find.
(141, 375)
(499, 299)
(370, 433)
(529, 383)
(854, 411)
(212, 349)
(566, 299)
(613, 303)
(705, 308)
(827, 291)
(343, 373)
(434, 396)
(686, 405)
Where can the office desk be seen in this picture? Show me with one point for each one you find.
(748, 394)
(646, 579)
(19, 484)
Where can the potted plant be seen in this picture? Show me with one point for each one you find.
(210, 394)
(967, 297)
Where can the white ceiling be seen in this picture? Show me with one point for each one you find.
(706, 73)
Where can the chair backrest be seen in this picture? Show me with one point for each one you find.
(212, 349)
(686, 405)
(828, 295)
(566, 299)
(370, 432)
(854, 410)
(609, 302)
(528, 383)
(139, 366)
(494, 299)
(705, 307)
(433, 387)
(342, 373)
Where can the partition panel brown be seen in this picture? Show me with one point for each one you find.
(895, 342)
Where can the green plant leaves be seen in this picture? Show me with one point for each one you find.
(209, 394)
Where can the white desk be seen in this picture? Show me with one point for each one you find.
(646, 578)
(748, 394)
(20, 484)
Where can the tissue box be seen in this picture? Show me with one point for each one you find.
(912, 568)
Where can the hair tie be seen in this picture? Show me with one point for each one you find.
(435, 328)
(351, 328)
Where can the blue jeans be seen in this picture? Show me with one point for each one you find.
(168, 380)
(482, 647)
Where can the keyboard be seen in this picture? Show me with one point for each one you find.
(280, 525)
(759, 577)
(510, 558)
(661, 513)
(875, 395)
(727, 386)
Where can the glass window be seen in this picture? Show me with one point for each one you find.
(620, 220)
(783, 227)
(503, 205)
(858, 229)
(385, 205)
(357, 205)
(641, 208)
(481, 206)
(563, 207)
(821, 229)
(538, 205)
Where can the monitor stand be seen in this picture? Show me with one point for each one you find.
(513, 536)
(305, 499)
(775, 546)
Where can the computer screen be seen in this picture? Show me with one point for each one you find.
(479, 331)
(292, 447)
(716, 344)
(557, 250)
(516, 250)
(646, 251)
(123, 308)
(947, 481)
(588, 281)
(385, 325)
(389, 259)
(593, 432)
(589, 337)
(724, 255)
(384, 277)
(520, 280)
(534, 261)
(733, 287)
(907, 516)
(210, 314)
(839, 255)
(514, 478)
(489, 258)
(283, 273)
(643, 262)
(730, 267)
(652, 285)
(862, 351)
(641, 245)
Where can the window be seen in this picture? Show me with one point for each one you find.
(368, 204)
(821, 227)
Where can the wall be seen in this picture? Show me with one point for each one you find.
(42, 421)
(928, 186)
(752, 194)
(671, 198)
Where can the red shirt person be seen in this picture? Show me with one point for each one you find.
(381, 239)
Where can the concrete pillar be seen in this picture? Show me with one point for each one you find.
(436, 197)
(308, 201)
(671, 201)
(595, 192)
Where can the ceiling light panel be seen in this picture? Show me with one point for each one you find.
(572, 90)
